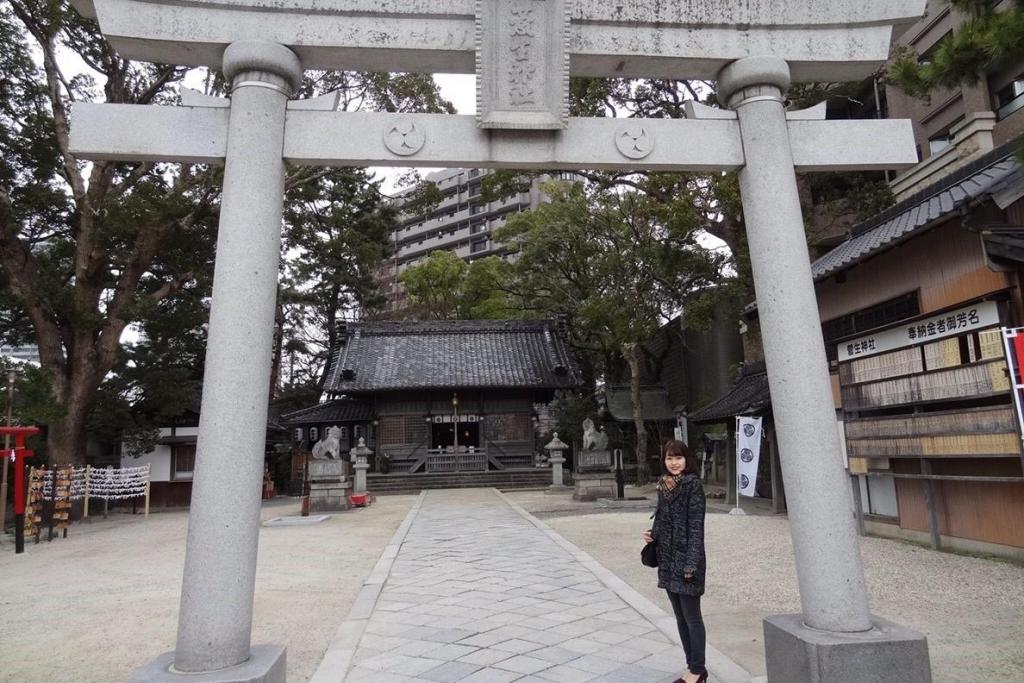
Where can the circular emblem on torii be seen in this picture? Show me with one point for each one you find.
(404, 138)
(633, 140)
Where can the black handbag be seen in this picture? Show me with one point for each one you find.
(649, 553)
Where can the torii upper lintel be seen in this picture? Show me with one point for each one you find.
(837, 40)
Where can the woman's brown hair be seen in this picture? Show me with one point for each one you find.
(678, 449)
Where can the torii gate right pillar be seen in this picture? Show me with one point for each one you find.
(835, 639)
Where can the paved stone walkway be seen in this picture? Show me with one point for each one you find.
(478, 591)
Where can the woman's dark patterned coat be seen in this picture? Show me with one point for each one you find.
(679, 532)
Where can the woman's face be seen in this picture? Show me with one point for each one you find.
(675, 464)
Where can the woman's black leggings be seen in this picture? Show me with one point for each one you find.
(691, 629)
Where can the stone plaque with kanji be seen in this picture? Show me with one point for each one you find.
(522, 65)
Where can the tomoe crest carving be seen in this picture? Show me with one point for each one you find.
(404, 138)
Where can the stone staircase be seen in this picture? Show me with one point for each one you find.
(383, 484)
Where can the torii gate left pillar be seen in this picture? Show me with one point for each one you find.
(215, 620)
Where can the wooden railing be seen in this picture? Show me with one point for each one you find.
(439, 460)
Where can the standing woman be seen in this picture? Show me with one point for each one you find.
(679, 532)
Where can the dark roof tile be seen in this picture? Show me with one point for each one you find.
(749, 395)
(921, 211)
(387, 356)
(338, 410)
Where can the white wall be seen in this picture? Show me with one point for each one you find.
(159, 461)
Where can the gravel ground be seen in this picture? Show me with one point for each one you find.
(104, 601)
(971, 609)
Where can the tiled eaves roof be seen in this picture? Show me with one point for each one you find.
(921, 211)
(389, 356)
(750, 395)
(338, 410)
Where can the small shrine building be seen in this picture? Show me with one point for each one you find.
(444, 396)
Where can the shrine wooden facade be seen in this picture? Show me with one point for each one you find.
(447, 396)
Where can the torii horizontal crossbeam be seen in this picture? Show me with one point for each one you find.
(327, 138)
(837, 40)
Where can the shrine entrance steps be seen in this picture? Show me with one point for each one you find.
(383, 484)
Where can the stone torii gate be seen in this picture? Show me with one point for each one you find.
(523, 52)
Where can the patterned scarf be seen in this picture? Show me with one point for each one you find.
(669, 484)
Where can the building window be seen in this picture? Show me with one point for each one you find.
(928, 56)
(1010, 98)
(474, 173)
(939, 143)
(474, 189)
(477, 246)
(183, 461)
(477, 208)
(477, 226)
(885, 313)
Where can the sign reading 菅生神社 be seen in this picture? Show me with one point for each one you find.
(932, 328)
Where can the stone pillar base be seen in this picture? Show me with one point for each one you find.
(329, 496)
(266, 664)
(593, 485)
(889, 652)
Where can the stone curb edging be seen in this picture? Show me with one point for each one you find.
(725, 670)
(338, 658)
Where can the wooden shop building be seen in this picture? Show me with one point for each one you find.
(911, 308)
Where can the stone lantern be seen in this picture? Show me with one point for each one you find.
(556, 449)
(360, 464)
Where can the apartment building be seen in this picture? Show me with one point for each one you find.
(958, 125)
(462, 223)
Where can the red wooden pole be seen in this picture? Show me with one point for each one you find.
(20, 453)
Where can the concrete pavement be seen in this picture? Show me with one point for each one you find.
(473, 588)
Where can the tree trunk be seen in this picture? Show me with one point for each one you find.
(275, 366)
(66, 437)
(631, 351)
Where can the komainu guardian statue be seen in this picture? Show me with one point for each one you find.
(329, 446)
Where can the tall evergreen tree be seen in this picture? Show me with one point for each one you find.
(991, 38)
(85, 249)
(91, 251)
(617, 265)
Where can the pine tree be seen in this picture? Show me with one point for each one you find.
(990, 39)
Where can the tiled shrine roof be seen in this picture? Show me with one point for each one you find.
(750, 395)
(338, 410)
(983, 177)
(389, 356)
